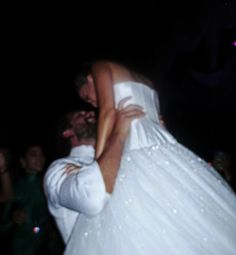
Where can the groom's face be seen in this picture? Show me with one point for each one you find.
(82, 117)
(84, 124)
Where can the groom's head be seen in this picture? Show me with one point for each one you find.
(78, 128)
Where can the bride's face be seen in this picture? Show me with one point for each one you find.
(87, 93)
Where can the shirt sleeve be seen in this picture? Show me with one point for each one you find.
(82, 191)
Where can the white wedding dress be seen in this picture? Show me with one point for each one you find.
(166, 200)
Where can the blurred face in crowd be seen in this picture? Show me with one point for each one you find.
(34, 159)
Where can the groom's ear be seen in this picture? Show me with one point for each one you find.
(68, 133)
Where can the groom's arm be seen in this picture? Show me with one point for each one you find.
(82, 190)
(86, 190)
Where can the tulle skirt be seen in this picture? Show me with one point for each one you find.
(166, 201)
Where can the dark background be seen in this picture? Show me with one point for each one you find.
(186, 48)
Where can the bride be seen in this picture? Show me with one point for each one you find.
(166, 200)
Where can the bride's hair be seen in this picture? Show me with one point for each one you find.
(81, 77)
(85, 70)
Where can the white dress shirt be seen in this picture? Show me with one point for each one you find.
(81, 191)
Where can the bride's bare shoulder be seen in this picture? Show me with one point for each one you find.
(121, 72)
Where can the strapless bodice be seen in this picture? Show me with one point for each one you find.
(147, 131)
(140, 94)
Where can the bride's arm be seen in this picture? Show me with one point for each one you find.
(103, 82)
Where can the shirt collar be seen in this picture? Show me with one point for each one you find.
(83, 151)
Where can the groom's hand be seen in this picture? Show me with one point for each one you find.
(125, 115)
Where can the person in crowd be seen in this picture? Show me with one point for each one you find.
(5, 191)
(5, 178)
(26, 219)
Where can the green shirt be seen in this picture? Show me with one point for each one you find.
(31, 237)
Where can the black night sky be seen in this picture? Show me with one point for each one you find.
(185, 48)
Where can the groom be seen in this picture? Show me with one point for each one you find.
(79, 183)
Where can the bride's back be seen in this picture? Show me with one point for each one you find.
(121, 73)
